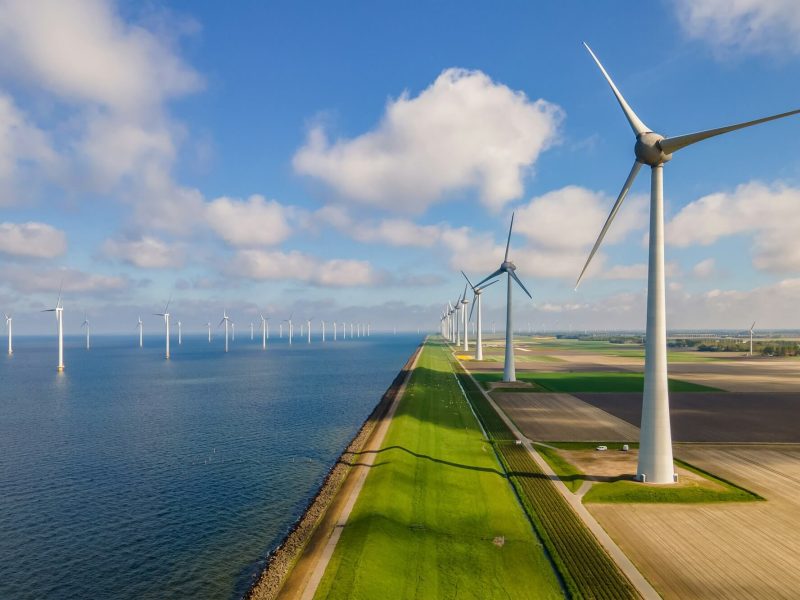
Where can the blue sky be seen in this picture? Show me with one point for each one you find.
(349, 160)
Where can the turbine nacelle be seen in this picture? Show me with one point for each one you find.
(507, 265)
(648, 149)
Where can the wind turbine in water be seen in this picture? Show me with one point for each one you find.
(654, 150)
(508, 267)
(86, 324)
(226, 320)
(323, 331)
(208, 325)
(140, 326)
(180, 335)
(308, 323)
(251, 331)
(59, 310)
(263, 332)
(165, 314)
(476, 305)
(9, 323)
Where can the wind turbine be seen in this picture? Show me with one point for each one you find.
(263, 332)
(251, 331)
(753, 326)
(180, 338)
(208, 325)
(654, 150)
(9, 322)
(86, 324)
(140, 325)
(464, 303)
(476, 305)
(233, 331)
(289, 320)
(334, 331)
(226, 320)
(59, 310)
(369, 325)
(508, 267)
(165, 314)
(351, 330)
(308, 323)
(323, 331)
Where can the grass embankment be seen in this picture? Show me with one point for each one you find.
(571, 475)
(436, 518)
(600, 381)
(585, 567)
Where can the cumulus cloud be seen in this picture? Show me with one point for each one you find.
(146, 252)
(742, 25)
(704, 268)
(770, 215)
(37, 240)
(50, 280)
(297, 266)
(463, 131)
(252, 222)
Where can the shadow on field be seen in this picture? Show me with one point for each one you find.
(436, 460)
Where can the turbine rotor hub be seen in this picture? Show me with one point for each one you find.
(508, 266)
(648, 149)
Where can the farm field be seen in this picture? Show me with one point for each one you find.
(436, 517)
(571, 382)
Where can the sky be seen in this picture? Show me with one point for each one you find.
(345, 161)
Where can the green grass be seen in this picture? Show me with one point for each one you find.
(634, 492)
(596, 381)
(566, 471)
(432, 504)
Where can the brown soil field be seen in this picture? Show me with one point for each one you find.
(715, 416)
(755, 375)
(736, 550)
(562, 417)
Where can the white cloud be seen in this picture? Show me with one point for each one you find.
(463, 131)
(770, 214)
(704, 268)
(37, 240)
(146, 252)
(297, 266)
(74, 281)
(252, 222)
(742, 25)
(637, 271)
(20, 140)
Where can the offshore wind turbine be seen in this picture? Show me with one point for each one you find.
(140, 325)
(208, 325)
(308, 323)
(753, 326)
(165, 314)
(476, 305)
(86, 324)
(291, 331)
(263, 332)
(9, 323)
(233, 331)
(323, 331)
(655, 150)
(334, 331)
(59, 310)
(508, 267)
(251, 331)
(180, 335)
(226, 320)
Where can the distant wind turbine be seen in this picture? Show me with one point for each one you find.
(263, 332)
(465, 319)
(476, 305)
(140, 326)
(323, 331)
(251, 331)
(334, 331)
(180, 335)
(233, 331)
(225, 320)
(165, 314)
(508, 267)
(59, 310)
(86, 324)
(654, 150)
(308, 323)
(753, 326)
(9, 323)
(208, 325)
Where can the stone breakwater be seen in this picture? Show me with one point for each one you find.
(282, 559)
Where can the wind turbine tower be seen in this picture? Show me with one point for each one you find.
(180, 334)
(165, 314)
(86, 324)
(140, 325)
(753, 326)
(59, 310)
(9, 323)
(655, 150)
(476, 305)
(464, 303)
(225, 320)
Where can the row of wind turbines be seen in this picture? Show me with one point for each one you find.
(653, 150)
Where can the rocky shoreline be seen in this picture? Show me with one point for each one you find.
(282, 559)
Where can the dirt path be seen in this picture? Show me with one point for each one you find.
(307, 573)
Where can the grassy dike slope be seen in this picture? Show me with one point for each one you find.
(436, 517)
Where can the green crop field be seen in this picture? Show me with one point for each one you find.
(599, 381)
(566, 471)
(437, 517)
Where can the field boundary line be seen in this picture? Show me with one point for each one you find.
(645, 589)
(361, 473)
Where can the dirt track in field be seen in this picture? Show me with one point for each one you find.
(563, 417)
(737, 550)
(715, 416)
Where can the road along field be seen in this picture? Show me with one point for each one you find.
(436, 517)
(720, 550)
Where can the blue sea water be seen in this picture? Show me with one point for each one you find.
(130, 476)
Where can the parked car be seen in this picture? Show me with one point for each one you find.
(601, 448)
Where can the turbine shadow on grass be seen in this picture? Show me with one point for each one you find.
(436, 460)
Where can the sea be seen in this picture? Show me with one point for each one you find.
(132, 476)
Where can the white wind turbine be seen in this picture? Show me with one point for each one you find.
(9, 323)
(86, 324)
(654, 150)
(208, 326)
(476, 305)
(508, 267)
(308, 324)
(227, 321)
(180, 334)
(323, 331)
(334, 331)
(59, 310)
(753, 326)
(165, 314)
(233, 331)
(291, 330)
(464, 319)
(251, 331)
(351, 330)
(140, 327)
(263, 332)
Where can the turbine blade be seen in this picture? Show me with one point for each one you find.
(166, 308)
(471, 308)
(464, 295)
(753, 326)
(508, 241)
(485, 279)
(673, 144)
(635, 122)
(481, 288)
(49, 310)
(524, 289)
(468, 281)
(624, 192)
